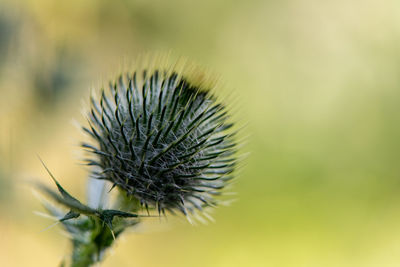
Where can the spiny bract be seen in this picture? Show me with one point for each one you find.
(163, 140)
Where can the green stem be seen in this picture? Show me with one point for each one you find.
(90, 250)
(95, 237)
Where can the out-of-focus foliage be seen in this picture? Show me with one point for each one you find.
(5, 188)
(317, 84)
(55, 76)
(5, 32)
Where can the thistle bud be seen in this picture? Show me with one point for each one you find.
(163, 139)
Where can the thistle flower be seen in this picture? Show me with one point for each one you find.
(162, 139)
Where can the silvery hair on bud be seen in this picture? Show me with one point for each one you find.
(161, 137)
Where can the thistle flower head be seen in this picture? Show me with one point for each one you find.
(163, 139)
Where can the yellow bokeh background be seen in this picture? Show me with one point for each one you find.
(317, 85)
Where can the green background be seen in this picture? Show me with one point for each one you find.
(317, 86)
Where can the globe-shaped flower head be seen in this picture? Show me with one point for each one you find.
(163, 139)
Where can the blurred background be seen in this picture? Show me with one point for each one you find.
(318, 84)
